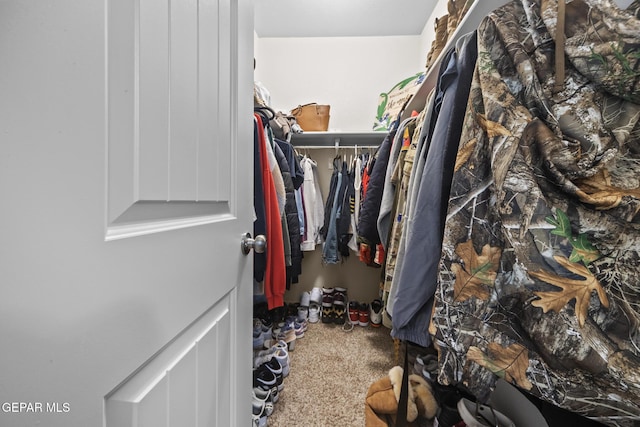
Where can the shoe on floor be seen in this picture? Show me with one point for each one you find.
(258, 338)
(328, 314)
(314, 312)
(305, 299)
(340, 314)
(265, 405)
(363, 314)
(327, 297)
(264, 378)
(283, 357)
(375, 313)
(354, 314)
(299, 329)
(339, 296)
(259, 415)
(275, 367)
(287, 334)
(303, 313)
(316, 296)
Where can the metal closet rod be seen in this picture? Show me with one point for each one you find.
(341, 147)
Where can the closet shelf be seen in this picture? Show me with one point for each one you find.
(338, 139)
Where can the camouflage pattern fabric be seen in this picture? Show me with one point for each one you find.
(539, 280)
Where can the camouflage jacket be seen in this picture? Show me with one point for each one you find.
(539, 281)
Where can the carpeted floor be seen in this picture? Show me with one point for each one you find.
(331, 371)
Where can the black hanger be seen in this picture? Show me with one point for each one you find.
(266, 112)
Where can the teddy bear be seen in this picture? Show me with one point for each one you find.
(381, 403)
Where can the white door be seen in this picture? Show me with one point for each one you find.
(125, 185)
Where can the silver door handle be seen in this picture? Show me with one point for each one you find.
(259, 244)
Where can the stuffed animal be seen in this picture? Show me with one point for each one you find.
(381, 404)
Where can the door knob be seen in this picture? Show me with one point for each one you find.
(259, 244)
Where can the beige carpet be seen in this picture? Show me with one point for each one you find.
(331, 371)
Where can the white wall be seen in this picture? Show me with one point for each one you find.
(348, 73)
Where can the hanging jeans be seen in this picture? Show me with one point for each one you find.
(330, 248)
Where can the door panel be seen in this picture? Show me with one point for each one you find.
(169, 114)
(186, 381)
(126, 186)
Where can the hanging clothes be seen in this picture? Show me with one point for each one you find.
(331, 214)
(539, 275)
(400, 179)
(293, 178)
(413, 297)
(275, 269)
(373, 185)
(343, 224)
(313, 205)
(259, 205)
(389, 190)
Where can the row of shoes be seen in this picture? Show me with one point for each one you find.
(265, 333)
(271, 367)
(274, 336)
(364, 314)
(331, 305)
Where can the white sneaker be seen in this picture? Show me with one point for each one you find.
(303, 314)
(264, 403)
(316, 296)
(259, 415)
(375, 313)
(314, 313)
(305, 299)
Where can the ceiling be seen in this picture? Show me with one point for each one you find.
(341, 18)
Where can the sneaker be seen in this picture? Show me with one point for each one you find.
(354, 315)
(339, 314)
(258, 337)
(274, 366)
(263, 395)
(315, 296)
(287, 334)
(375, 313)
(299, 329)
(327, 297)
(363, 314)
(268, 344)
(282, 355)
(267, 327)
(265, 404)
(292, 310)
(263, 357)
(339, 296)
(258, 416)
(264, 378)
(305, 299)
(303, 313)
(314, 312)
(328, 314)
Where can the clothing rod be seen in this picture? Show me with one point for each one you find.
(342, 147)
